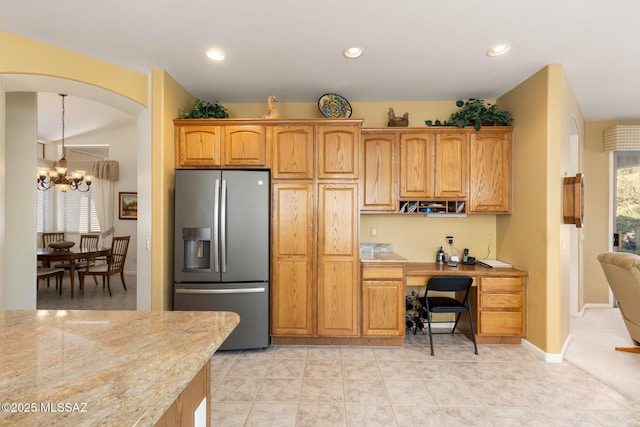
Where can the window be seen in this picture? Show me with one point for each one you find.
(627, 206)
(77, 212)
(44, 211)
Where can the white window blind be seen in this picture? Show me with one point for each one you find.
(44, 211)
(77, 212)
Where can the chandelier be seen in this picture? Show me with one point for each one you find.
(58, 178)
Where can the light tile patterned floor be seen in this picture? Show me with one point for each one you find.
(364, 386)
(378, 386)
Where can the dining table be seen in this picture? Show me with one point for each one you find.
(71, 255)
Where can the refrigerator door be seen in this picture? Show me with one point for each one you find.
(244, 226)
(249, 300)
(196, 231)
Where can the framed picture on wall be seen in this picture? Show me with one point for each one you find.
(128, 205)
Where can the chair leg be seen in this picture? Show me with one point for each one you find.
(122, 278)
(109, 283)
(473, 332)
(430, 336)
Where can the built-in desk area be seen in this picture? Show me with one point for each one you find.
(498, 297)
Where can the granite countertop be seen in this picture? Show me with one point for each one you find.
(104, 367)
(379, 252)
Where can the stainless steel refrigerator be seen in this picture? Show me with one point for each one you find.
(222, 248)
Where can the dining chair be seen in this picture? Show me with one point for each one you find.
(48, 273)
(87, 241)
(440, 303)
(114, 265)
(50, 238)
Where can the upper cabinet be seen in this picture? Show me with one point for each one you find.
(198, 146)
(490, 172)
(338, 151)
(245, 145)
(416, 165)
(436, 170)
(379, 172)
(292, 151)
(451, 164)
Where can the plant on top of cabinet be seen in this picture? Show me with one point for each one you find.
(204, 110)
(474, 112)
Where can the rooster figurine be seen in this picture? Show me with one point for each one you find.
(271, 113)
(397, 121)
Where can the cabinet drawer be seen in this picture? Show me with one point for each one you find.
(501, 323)
(513, 301)
(501, 284)
(382, 271)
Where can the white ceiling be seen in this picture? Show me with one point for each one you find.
(414, 50)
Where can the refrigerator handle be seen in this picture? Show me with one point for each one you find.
(223, 227)
(216, 211)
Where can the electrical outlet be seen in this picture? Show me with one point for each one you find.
(450, 240)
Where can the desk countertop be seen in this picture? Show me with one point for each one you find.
(419, 269)
(102, 367)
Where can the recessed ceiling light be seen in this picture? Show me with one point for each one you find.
(353, 52)
(498, 50)
(215, 54)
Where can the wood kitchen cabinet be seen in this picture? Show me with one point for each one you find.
(383, 299)
(198, 146)
(245, 145)
(490, 172)
(501, 308)
(217, 143)
(379, 172)
(292, 269)
(416, 165)
(338, 151)
(451, 164)
(338, 259)
(292, 151)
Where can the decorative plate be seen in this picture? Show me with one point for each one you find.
(61, 245)
(334, 106)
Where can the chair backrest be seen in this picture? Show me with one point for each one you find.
(118, 255)
(622, 271)
(89, 241)
(449, 283)
(51, 237)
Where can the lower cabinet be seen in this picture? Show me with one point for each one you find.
(383, 300)
(501, 309)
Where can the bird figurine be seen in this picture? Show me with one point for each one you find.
(397, 121)
(271, 113)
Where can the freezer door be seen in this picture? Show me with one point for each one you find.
(249, 300)
(244, 226)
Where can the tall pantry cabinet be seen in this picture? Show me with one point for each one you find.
(315, 247)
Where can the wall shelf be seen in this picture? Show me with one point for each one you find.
(434, 208)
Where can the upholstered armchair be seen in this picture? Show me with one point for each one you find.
(622, 270)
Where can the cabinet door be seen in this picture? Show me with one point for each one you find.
(416, 165)
(338, 263)
(245, 146)
(490, 173)
(292, 152)
(451, 165)
(383, 308)
(338, 151)
(292, 258)
(379, 172)
(198, 146)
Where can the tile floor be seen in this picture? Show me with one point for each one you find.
(365, 386)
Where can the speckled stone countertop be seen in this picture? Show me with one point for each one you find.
(379, 252)
(119, 368)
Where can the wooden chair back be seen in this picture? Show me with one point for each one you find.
(51, 237)
(89, 241)
(118, 256)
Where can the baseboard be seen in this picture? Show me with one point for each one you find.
(597, 305)
(548, 357)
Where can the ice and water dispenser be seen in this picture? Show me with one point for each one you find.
(197, 247)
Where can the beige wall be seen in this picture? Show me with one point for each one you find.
(167, 98)
(532, 236)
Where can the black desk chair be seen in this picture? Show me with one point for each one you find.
(445, 304)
